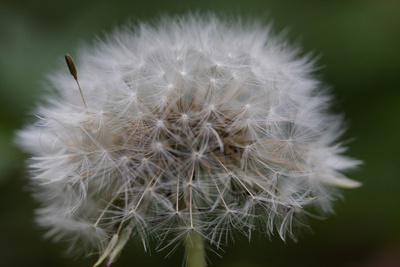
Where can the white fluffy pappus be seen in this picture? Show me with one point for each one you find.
(194, 124)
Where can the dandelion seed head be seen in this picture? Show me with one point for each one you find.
(218, 142)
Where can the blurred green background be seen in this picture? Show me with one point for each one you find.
(359, 44)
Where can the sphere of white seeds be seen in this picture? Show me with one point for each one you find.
(195, 124)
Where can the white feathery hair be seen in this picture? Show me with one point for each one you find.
(192, 124)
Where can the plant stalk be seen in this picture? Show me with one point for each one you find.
(194, 248)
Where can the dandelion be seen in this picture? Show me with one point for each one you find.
(184, 131)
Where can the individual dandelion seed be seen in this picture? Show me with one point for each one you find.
(192, 129)
(72, 70)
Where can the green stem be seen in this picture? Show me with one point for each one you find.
(194, 248)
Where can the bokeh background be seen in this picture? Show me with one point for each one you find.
(358, 43)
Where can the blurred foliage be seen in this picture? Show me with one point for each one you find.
(358, 43)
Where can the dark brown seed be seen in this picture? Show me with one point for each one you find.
(71, 66)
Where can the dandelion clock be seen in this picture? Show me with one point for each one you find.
(190, 131)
